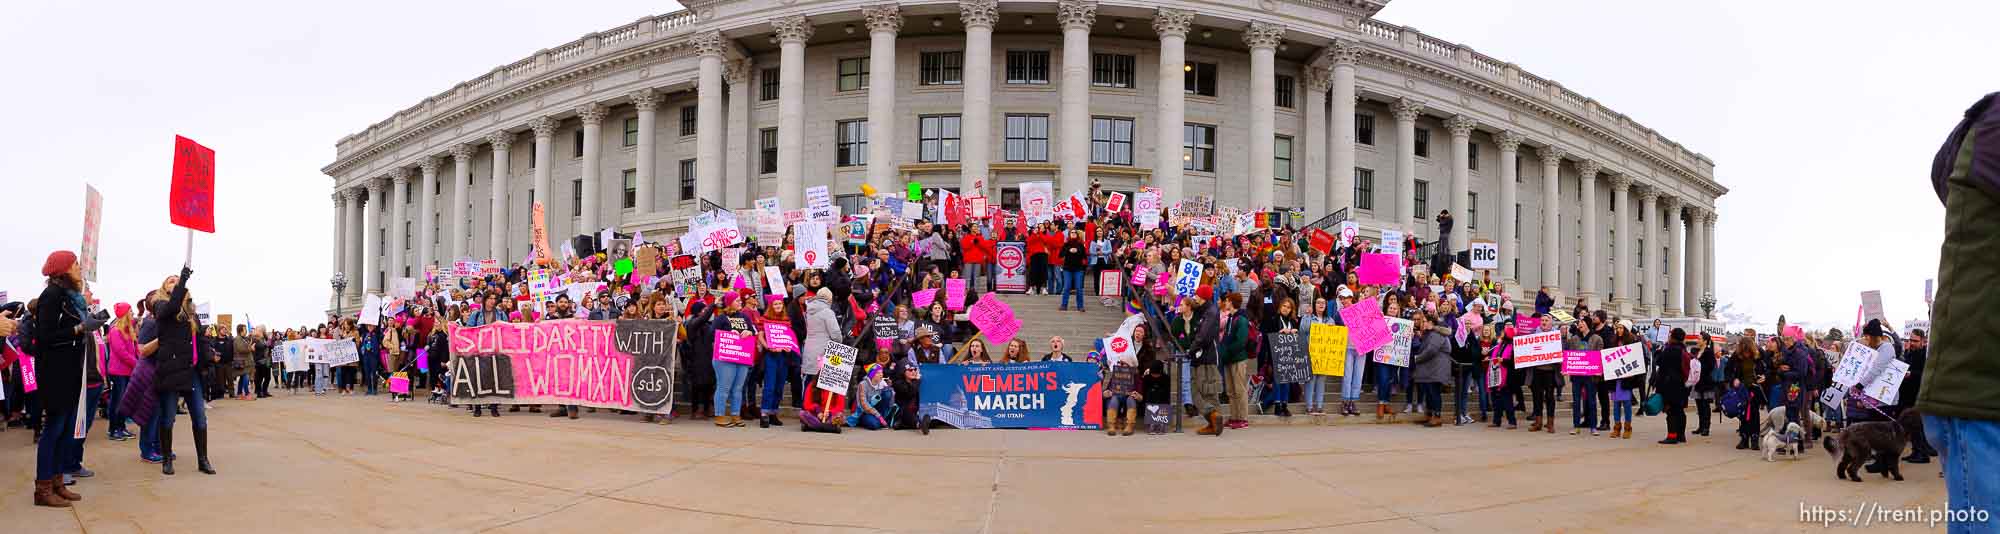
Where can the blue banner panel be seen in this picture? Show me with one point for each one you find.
(1065, 395)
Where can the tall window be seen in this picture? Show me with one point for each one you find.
(937, 138)
(1423, 194)
(437, 223)
(851, 143)
(1200, 79)
(940, 68)
(1472, 212)
(1641, 260)
(406, 235)
(1027, 138)
(632, 131)
(1281, 154)
(1364, 129)
(1423, 142)
(767, 84)
(1110, 140)
(1517, 219)
(1472, 155)
(687, 179)
(1113, 70)
(853, 74)
(767, 150)
(1284, 89)
(576, 139)
(1364, 189)
(690, 118)
(1028, 67)
(576, 196)
(1198, 147)
(631, 196)
(409, 191)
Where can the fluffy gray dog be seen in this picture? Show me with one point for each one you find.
(1882, 441)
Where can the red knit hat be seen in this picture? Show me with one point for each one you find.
(59, 261)
(1205, 292)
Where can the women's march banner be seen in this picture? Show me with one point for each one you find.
(624, 365)
(1065, 395)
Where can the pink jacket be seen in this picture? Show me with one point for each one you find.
(120, 354)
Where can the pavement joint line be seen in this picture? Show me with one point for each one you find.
(1336, 489)
(993, 495)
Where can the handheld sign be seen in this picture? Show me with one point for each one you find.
(1485, 255)
(191, 202)
(1328, 344)
(1623, 361)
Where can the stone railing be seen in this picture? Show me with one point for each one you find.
(644, 31)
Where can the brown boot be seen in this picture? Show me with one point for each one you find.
(1551, 428)
(721, 421)
(1628, 430)
(56, 485)
(45, 494)
(1381, 412)
(1535, 425)
(1111, 423)
(1131, 419)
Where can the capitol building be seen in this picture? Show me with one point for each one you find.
(1306, 105)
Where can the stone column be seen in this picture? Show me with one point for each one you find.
(1590, 284)
(708, 138)
(496, 243)
(1649, 202)
(1263, 39)
(647, 102)
(1510, 240)
(1621, 243)
(792, 31)
(738, 187)
(398, 218)
(884, 22)
(1691, 270)
(1406, 162)
(1073, 116)
(1461, 180)
(1707, 256)
(1312, 183)
(1551, 217)
(593, 145)
(1168, 167)
(545, 156)
(1340, 153)
(339, 234)
(370, 255)
(427, 211)
(976, 118)
(1677, 285)
(351, 240)
(461, 194)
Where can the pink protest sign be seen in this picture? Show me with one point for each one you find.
(954, 294)
(1537, 349)
(1139, 275)
(424, 359)
(1526, 325)
(922, 299)
(399, 385)
(1367, 330)
(1582, 363)
(994, 319)
(1377, 269)
(778, 337)
(28, 383)
(734, 347)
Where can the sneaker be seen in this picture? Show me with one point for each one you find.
(151, 458)
(81, 472)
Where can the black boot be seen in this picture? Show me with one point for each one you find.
(201, 451)
(167, 451)
(1742, 441)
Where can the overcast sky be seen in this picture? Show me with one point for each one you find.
(1822, 118)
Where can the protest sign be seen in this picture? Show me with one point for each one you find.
(922, 299)
(191, 201)
(770, 228)
(732, 260)
(810, 242)
(1115, 203)
(769, 205)
(735, 347)
(836, 368)
(1462, 274)
(994, 319)
(93, 215)
(371, 309)
(977, 206)
(1392, 242)
(1289, 357)
(1496, 374)
(1146, 209)
(885, 329)
(954, 294)
(1366, 329)
(1231, 264)
(1397, 352)
(912, 211)
(684, 269)
(1623, 361)
(625, 365)
(1537, 349)
(489, 267)
(1119, 349)
(1485, 255)
(1852, 364)
(1065, 395)
(399, 383)
(1835, 398)
(464, 267)
(774, 280)
(1320, 240)
(1122, 378)
(1526, 324)
(1328, 342)
(1886, 385)
(1187, 278)
(1348, 231)
(1107, 282)
(715, 230)
(817, 196)
(338, 352)
(538, 232)
(778, 337)
(1037, 202)
(1012, 258)
(403, 287)
(1871, 308)
(1562, 317)
(1582, 363)
(1378, 269)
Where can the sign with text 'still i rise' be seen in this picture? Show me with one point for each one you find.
(191, 202)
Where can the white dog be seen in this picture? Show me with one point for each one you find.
(1791, 441)
(1776, 416)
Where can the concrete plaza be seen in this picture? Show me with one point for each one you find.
(299, 464)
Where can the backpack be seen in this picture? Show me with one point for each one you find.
(1733, 401)
(1716, 375)
(1821, 375)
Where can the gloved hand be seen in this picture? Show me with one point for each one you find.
(186, 271)
(92, 323)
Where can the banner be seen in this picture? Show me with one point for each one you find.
(93, 216)
(403, 287)
(1485, 255)
(1289, 358)
(716, 229)
(338, 352)
(1012, 258)
(1397, 352)
(778, 337)
(621, 365)
(1366, 329)
(836, 368)
(994, 319)
(1583, 363)
(954, 294)
(191, 201)
(1537, 349)
(809, 240)
(1329, 349)
(1623, 361)
(735, 347)
(1379, 269)
(1065, 395)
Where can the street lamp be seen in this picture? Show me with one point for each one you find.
(339, 282)
(1708, 304)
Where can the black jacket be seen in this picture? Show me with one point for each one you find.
(58, 350)
(174, 361)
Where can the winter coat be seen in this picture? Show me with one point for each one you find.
(1431, 364)
(58, 350)
(174, 361)
(121, 354)
(822, 329)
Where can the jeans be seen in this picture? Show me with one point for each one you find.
(369, 363)
(1430, 391)
(1503, 407)
(1187, 382)
(53, 451)
(778, 367)
(1472, 377)
(1964, 444)
(1350, 381)
(320, 373)
(118, 384)
(1582, 403)
(1071, 284)
(972, 272)
(73, 462)
(1385, 381)
(1056, 276)
(1621, 411)
(1315, 393)
(163, 415)
(242, 385)
(729, 387)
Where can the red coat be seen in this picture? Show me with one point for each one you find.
(974, 248)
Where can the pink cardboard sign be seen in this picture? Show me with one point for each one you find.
(1582, 363)
(735, 347)
(954, 294)
(28, 383)
(922, 299)
(1367, 330)
(779, 338)
(1377, 269)
(399, 385)
(994, 319)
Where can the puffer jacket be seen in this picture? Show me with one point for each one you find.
(822, 329)
(1432, 361)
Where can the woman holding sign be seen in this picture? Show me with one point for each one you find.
(174, 372)
(62, 327)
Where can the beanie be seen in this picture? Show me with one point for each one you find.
(59, 261)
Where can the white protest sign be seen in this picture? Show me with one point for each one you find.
(716, 230)
(1537, 349)
(810, 240)
(1485, 255)
(1038, 201)
(836, 368)
(1462, 274)
(774, 279)
(371, 309)
(1852, 363)
(1188, 278)
(1621, 362)
(1392, 242)
(403, 287)
(769, 205)
(1146, 209)
(341, 352)
(1871, 308)
(817, 196)
(1886, 385)
(1348, 231)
